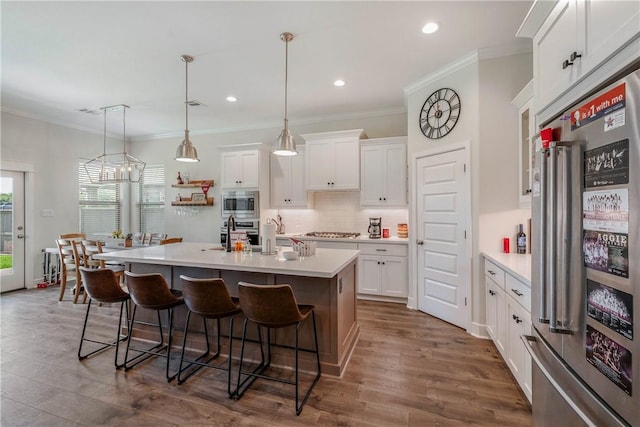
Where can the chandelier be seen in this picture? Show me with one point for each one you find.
(112, 168)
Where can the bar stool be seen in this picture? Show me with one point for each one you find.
(274, 307)
(103, 286)
(209, 299)
(151, 291)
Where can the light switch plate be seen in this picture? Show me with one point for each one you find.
(46, 212)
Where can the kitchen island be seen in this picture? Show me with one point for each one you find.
(326, 280)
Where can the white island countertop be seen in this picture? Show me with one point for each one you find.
(326, 263)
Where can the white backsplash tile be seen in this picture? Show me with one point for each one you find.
(340, 211)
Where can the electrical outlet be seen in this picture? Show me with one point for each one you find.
(46, 212)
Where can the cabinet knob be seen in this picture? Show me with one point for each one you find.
(492, 293)
(491, 272)
(566, 64)
(517, 319)
(380, 198)
(574, 56)
(517, 292)
(419, 242)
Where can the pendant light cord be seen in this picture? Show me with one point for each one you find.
(286, 79)
(186, 94)
(124, 132)
(104, 135)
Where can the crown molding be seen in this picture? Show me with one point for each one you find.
(276, 124)
(457, 65)
(522, 46)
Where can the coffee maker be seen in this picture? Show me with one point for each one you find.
(375, 228)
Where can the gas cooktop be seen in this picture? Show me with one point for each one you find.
(333, 234)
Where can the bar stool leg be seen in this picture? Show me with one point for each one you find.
(105, 345)
(251, 375)
(196, 361)
(144, 354)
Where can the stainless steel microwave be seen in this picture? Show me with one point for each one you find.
(241, 204)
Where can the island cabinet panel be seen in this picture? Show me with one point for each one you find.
(335, 306)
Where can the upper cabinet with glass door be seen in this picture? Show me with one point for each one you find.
(526, 131)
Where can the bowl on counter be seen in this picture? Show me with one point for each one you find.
(289, 255)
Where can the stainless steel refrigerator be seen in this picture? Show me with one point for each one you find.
(586, 262)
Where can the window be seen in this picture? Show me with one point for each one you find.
(151, 199)
(100, 205)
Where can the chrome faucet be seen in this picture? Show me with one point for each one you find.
(279, 224)
(230, 221)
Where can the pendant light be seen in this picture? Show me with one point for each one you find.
(186, 152)
(114, 168)
(286, 145)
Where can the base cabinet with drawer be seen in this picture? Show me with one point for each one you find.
(508, 317)
(383, 270)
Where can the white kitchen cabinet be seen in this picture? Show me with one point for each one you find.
(241, 169)
(288, 187)
(383, 172)
(332, 161)
(508, 317)
(383, 270)
(577, 37)
(518, 324)
(526, 132)
(495, 311)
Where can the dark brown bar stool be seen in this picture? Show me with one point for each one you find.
(103, 286)
(152, 292)
(273, 307)
(209, 299)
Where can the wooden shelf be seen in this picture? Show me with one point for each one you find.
(194, 184)
(186, 201)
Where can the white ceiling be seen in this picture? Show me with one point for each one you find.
(58, 57)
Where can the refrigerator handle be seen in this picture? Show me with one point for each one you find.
(543, 318)
(528, 341)
(553, 229)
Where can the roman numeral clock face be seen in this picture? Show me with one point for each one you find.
(440, 113)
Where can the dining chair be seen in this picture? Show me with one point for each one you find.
(139, 238)
(68, 269)
(73, 236)
(170, 240)
(155, 238)
(89, 248)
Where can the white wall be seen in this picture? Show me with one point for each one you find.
(489, 121)
(54, 151)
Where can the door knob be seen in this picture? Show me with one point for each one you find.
(419, 242)
(20, 236)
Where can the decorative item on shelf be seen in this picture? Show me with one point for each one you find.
(186, 152)
(286, 145)
(179, 179)
(204, 185)
(198, 198)
(113, 168)
(403, 231)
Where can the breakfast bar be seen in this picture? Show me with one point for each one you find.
(326, 280)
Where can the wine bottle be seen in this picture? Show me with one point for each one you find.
(521, 239)
(179, 179)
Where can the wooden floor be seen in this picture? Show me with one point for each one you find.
(408, 369)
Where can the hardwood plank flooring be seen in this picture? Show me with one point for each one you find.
(408, 369)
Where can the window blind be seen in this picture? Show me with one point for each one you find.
(151, 199)
(100, 204)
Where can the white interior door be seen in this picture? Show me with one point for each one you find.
(442, 207)
(11, 231)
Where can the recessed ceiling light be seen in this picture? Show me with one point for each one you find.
(338, 83)
(430, 28)
(232, 98)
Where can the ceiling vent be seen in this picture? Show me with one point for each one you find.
(88, 111)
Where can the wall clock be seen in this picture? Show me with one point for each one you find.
(440, 113)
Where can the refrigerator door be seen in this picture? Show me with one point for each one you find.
(559, 395)
(603, 347)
